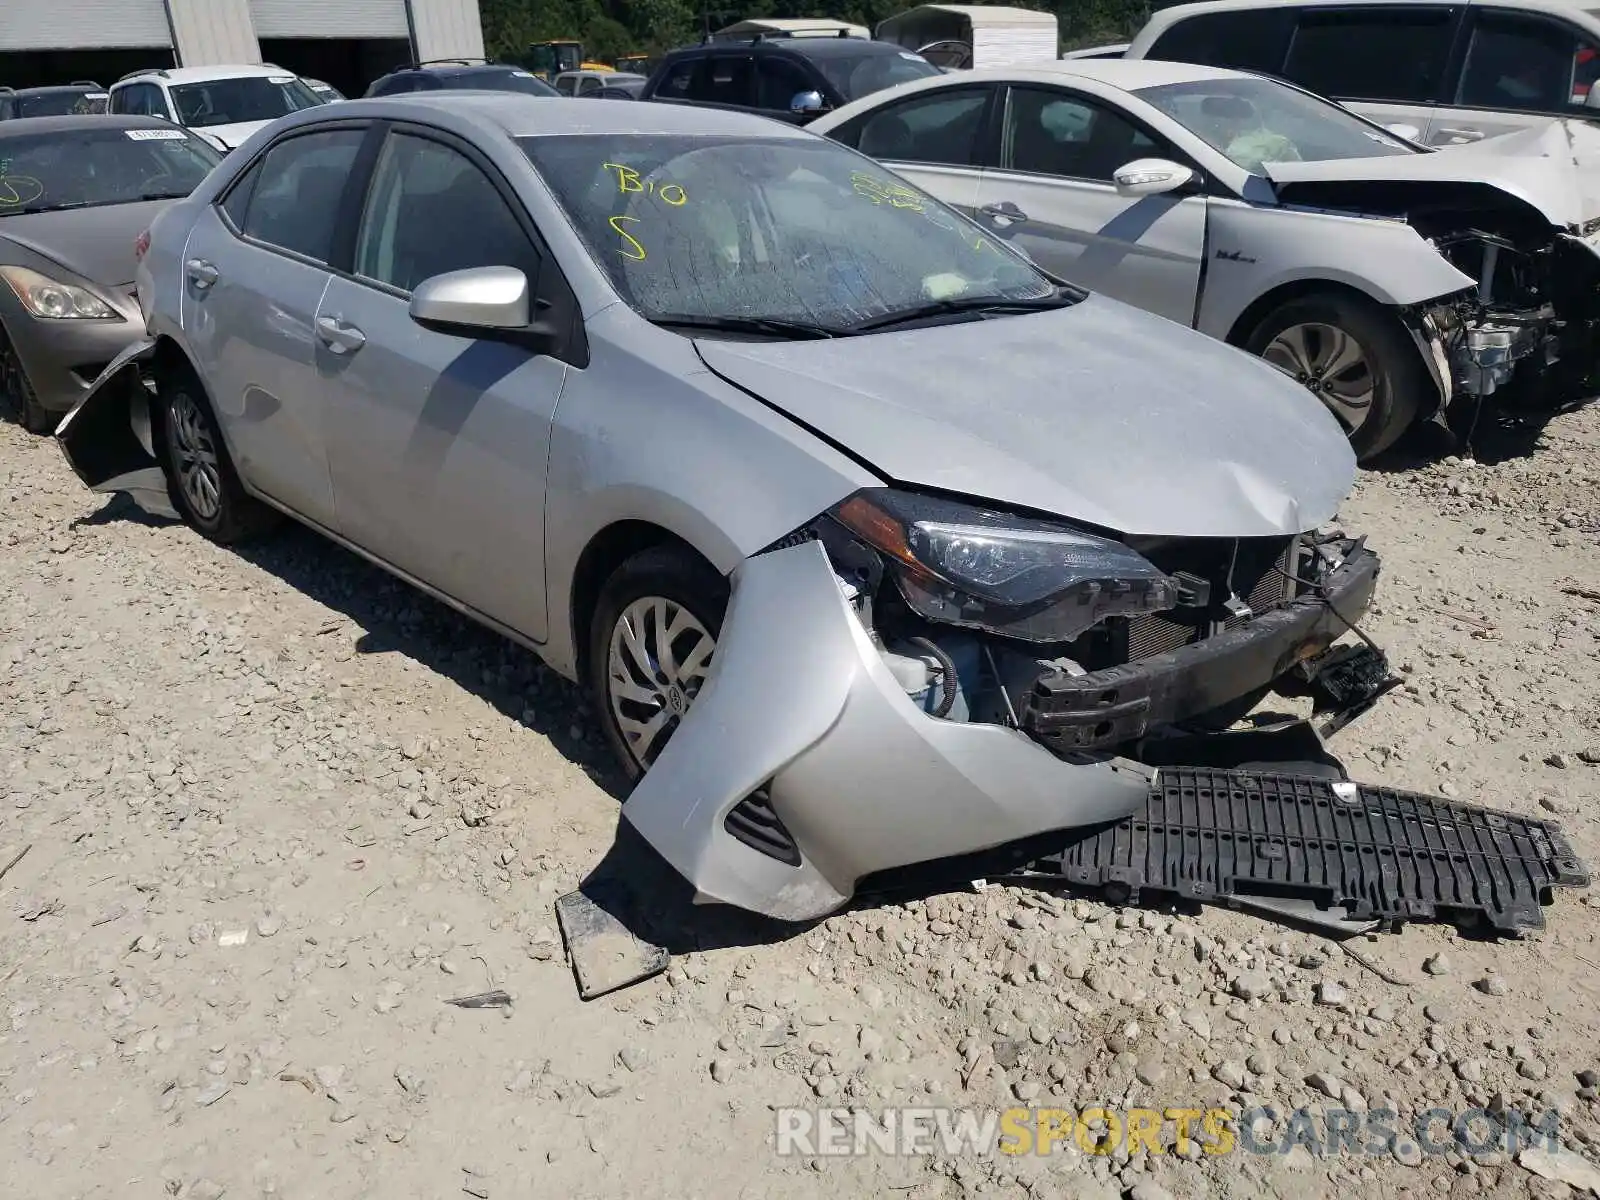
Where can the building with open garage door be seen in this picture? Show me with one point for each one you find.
(347, 43)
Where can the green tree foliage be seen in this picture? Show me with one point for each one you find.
(611, 27)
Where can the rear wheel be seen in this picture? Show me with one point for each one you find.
(204, 486)
(651, 642)
(1355, 358)
(17, 391)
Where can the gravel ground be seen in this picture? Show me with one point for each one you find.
(280, 808)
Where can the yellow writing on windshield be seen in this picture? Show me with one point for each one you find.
(882, 191)
(629, 180)
(17, 190)
(632, 251)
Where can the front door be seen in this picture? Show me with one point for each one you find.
(254, 272)
(438, 445)
(1052, 195)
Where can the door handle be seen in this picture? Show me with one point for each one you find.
(1464, 135)
(201, 273)
(333, 333)
(1005, 211)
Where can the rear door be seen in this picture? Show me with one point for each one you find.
(1387, 62)
(255, 268)
(438, 444)
(939, 139)
(1517, 70)
(1052, 195)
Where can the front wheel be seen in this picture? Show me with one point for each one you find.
(17, 389)
(1354, 357)
(651, 642)
(204, 486)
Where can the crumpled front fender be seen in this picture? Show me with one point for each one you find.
(799, 701)
(107, 437)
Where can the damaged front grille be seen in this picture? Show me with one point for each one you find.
(1255, 570)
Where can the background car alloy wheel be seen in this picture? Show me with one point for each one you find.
(658, 660)
(1356, 357)
(1332, 364)
(17, 391)
(195, 458)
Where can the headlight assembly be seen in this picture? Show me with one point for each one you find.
(1032, 580)
(54, 300)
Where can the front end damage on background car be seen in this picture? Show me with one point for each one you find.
(1519, 217)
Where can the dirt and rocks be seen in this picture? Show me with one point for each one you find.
(278, 809)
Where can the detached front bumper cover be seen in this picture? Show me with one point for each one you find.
(107, 439)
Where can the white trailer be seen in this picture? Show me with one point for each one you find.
(975, 35)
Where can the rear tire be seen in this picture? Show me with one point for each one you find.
(651, 641)
(18, 391)
(1356, 358)
(205, 487)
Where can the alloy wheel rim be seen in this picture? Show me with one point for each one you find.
(1332, 364)
(655, 667)
(196, 455)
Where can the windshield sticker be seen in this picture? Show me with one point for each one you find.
(628, 181)
(97, 95)
(632, 251)
(280, 79)
(523, 74)
(156, 135)
(19, 190)
(911, 56)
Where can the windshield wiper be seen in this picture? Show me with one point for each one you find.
(1060, 298)
(771, 326)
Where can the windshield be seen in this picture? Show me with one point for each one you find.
(1258, 121)
(507, 81)
(60, 104)
(773, 229)
(84, 168)
(246, 98)
(858, 75)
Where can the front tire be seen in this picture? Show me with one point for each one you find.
(205, 487)
(651, 643)
(1354, 357)
(18, 392)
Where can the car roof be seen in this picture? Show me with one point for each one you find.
(182, 75)
(1128, 74)
(67, 122)
(521, 115)
(809, 47)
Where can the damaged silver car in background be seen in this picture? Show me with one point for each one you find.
(1391, 280)
(872, 543)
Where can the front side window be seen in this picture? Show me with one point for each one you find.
(431, 210)
(138, 100)
(778, 82)
(567, 85)
(293, 200)
(247, 98)
(856, 75)
(588, 84)
(943, 127)
(769, 229)
(1517, 63)
(1393, 54)
(89, 168)
(1258, 121)
(679, 80)
(1053, 133)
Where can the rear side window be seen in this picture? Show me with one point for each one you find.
(1241, 41)
(566, 84)
(725, 79)
(1522, 63)
(293, 192)
(1394, 54)
(937, 127)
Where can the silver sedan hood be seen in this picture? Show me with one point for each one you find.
(1097, 412)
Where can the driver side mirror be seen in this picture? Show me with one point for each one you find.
(807, 104)
(1409, 133)
(483, 302)
(1591, 98)
(1151, 177)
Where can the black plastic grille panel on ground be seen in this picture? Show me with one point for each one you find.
(1375, 852)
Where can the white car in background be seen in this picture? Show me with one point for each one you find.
(1388, 278)
(225, 105)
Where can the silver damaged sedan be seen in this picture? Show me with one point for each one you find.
(873, 543)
